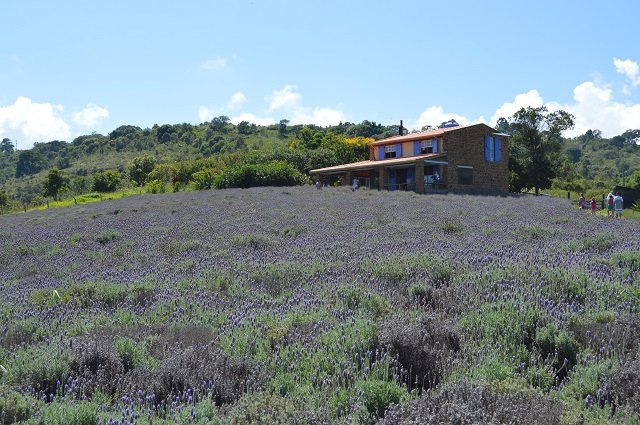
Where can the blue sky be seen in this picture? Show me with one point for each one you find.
(71, 67)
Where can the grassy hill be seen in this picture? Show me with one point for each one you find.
(297, 305)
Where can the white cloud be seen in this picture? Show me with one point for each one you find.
(285, 98)
(531, 98)
(595, 108)
(29, 122)
(252, 119)
(319, 116)
(214, 64)
(91, 115)
(435, 115)
(206, 114)
(286, 103)
(628, 68)
(237, 100)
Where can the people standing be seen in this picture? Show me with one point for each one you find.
(594, 205)
(582, 201)
(619, 204)
(610, 205)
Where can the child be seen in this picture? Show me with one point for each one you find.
(594, 205)
(582, 202)
(610, 205)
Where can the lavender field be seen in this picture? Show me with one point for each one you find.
(304, 306)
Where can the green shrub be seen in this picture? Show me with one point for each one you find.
(140, 167)
(585, 380)
(133, 354)
(204, 179)
(452, 226)
(41, 367)
(108, 236)
(379, 395)
(539, 376)
(106, 181)
(599, 242)
(85, 294)
(155, 186)
(15, 407)
(275, 173)
(70, 413)
(552, 341)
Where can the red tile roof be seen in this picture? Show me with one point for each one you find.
(423, 135)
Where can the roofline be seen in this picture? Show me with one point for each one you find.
(363, 165)
(425, 135)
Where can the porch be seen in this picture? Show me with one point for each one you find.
(424, 174)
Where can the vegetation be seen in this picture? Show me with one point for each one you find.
(187, 157)
(535, 144)
(281, 305)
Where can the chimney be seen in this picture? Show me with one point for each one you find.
(401, 130)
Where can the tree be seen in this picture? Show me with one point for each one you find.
(282, 128)
(29, 162)
(634, 180)
(54, 183)
(106, 181)
(4, 199)
(6, 146)
(140, 167)
(245, 127)
(535, 146)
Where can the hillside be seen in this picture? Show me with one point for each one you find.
(186, 156)
(297, 305)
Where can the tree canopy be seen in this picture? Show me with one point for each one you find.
(536, 143)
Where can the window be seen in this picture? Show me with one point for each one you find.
(390, 151)
(465, 174)
(429, 146)
(492, 148)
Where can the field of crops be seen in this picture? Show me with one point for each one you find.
(305, 306)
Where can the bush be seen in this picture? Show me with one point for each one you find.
(108, 236)
(133, 354)
(76, 413)
(424, 348)
(15, 407)
(204, 179)
(106, 181)
(468, 404)
(140, 167)
(44, 368)
(558, 347)
(264, 408)
(275, 173)
(379, 395)
(624, 383)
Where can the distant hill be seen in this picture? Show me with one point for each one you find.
(181, 150)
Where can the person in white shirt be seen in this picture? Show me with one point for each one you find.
(618, 202)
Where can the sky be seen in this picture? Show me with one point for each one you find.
(71, 67)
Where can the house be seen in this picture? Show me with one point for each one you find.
(452, 158)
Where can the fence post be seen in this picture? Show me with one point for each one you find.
(569, 195)
(602, 201)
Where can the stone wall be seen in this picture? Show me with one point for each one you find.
(466, 147)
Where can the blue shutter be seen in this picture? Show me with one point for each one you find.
(435, 145)
(416, 148)
(487, 148)
(498, 149)
(399, 150)
(411, 174)
(380, 152)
